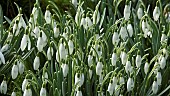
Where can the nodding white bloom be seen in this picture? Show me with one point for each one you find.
(20, 67)
(163, 38)
(79, 79)
(48, 16)
(3, 87)
(62, 51)
(90, 60)
(130, 29)
(140, 13)
(114, 81)
(127, 11)
(114, 59)
(37, 32)
(156, 13)
(21, 23)
(117, 90)
(111, 87)
(31, 22)
(121, 80)
(2, 58)
(74, 2)
(157, 68)
(13, 93)
(43, 91)
(130, 84)
(138, 61)
(36, 63)
(165, 52)
(163, 62)
(71, 46)
(88, 22)
(24, 84)
(123, 57)
(65, 69)
(24, 42)
(50, 53)
(123, 33)
(115, 38)
(56, 32)
(44, 38)
(96, 17)
(14, 72)
(155, 87)
(35, 12)
(27, 92)
(15, 28)
(65, 35)
(40, 44)
(99, 68)
(45, 77)
(146, 29)
(128, 67)
(5, 48)
(159, 78)
(90, 73)
(79, 93)
(146, 67)
(83, 22)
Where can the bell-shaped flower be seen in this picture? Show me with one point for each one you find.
(74, 2)
(130, 29)
(14, 71)
(128, 67)
(36, 63)
(123, 57)
(65, 69)
(79, 79)
(146, 67)
(71, 46)
(13, 93)
(3, 87)
(48, 16)
(20, 67)
(36, 31)
(90, 60)
(130, 84)
(43, 91)
(99, 68)
(140, 12)
(56, 32)
(155, 87)
(163, 62)
(127, 11)
(2, 58)
(159, 78)
(121, 80)
(123, 33)
(5, 48)
(24, 84)
(138, 60)
(156, 13)
(40, 44)
(114, 59)
(50, 53)
(27, 91)
(110, 88)
(115, 38)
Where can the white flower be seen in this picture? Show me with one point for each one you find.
(156, 13)
(36, 63)
(15, 28)
(163, 38)
(99, 68)
(114, 59)
(140, 13)
(65, 35)
(50, 53)
(13, 94)
(43, 92)
(37, 32)
(45, 77)
(24, 84)
(79, 93)
(130, 84)
(90, 60)
(62, 51)
(110, 88)
(3, 87)
(79, 79)
(2, 58)
(24, 42)
(138, 61)
(165, 52)
(21, 23)
(127, 12)
(123, 57)
(65, 69)
(44, 38)
(27, 92)
(163, 62)
(128, 67)
(114, 81)
(83, 22)
(35, 12)
(115, 38)
(71, 46)
(56, 32)
(100, 78)
(121, 80)
(117, 90)
(74, 2)
(155, 87)
(88, 22)
(47, 16)
(123, 33)
(5, 48)
(96, 17)
(14, 72)
(159, 78)
(40, 44)
(130, 30)
(20, 67)
(90, 73)
(146, 67)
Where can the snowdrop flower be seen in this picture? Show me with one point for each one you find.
(24, 83)
(90, 59)
(43, 91)
(35, 12)
(14, 72)
(74, 2)
(123, 57)
(56, 32)
(96, 17)
(25, 42)
(140, 12)
(155, 87)
(99, 68)
(5, 48)
(15, 27)
(20, 67)
(111, 87)
(90, 73)
(130, 29)
(114, 80)
(37, 32)
(13, 93)
(79, 93)
(156, 13)
(138, 60)
(163, 38)
(45, 77)
(130, 84)
(117, 90)
(27, 91)
(165, 52)
(123, 33)
(50, 53)
(121, 80)
(159, 78)
(36, 63)
(2, 58)
(62, 51)
(88, 22)
(21, 23)
(65, 69)
(71, 46)
(114, 58)
(44, 38)
(83, 22)
(115, 38)
(101, 78)
(31, 22)
(127, 11)
(163, 62)
(48, 16)
(128, 67)
(40, 43)
(146, 67)
(167, 17)
(3, 87)
(79, 79)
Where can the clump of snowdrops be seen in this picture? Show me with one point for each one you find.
(98, 52)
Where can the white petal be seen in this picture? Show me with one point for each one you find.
(23, 42)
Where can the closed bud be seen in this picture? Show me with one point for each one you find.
(155, 87)
(130, 84)
(3, 87)
(138, 61)
(99, 68)
(50, 53)
(159, 78)
(146, 67)
(114, 59)
(65, 69)
(14, 72)
(115, 38)
(36, 63)
(123, 33)
(56, 32)
(156, 13)
(48, 16)
(140, 13)
(71, 46)
(163, 62)
(127, 12)
(130, 30)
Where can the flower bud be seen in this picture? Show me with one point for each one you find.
(3, 87)
(23, 42)
(50, 53)
(123, 33)
(127, 12)
(114, 59)
(56, 32)
(156, 13)
(140, 13)
(79, 79)
(128, 67)
(163, 62)
(99, 68)
(159, 78)
(155, 87)
(71, 46)
(24, 84)
(48, 16)
(115, 38)
(36, 63)
(138, 61)
(2, 58)
(146, 67)
(13, 93)
(65, 69)
(130, 84)
(123, 57)
(43, 92)
(36, 31)
(14, 72)
(110, 88)
(130, 30)
(5, 48)
(90, 60)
